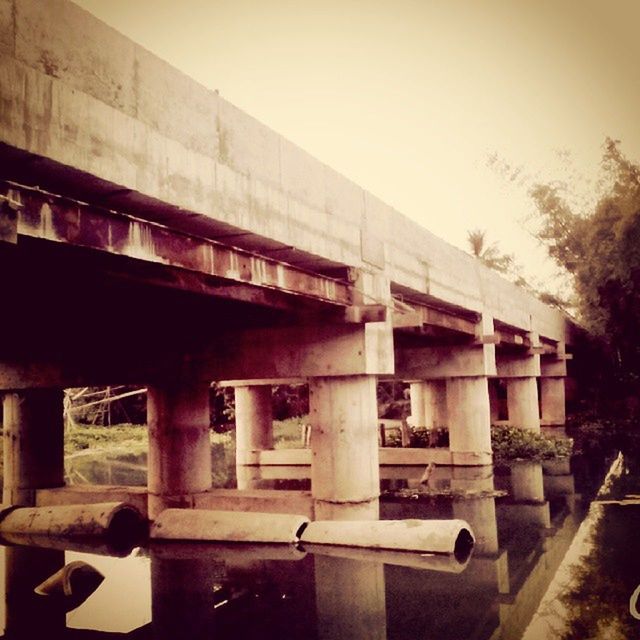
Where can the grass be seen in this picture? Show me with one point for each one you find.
(287, 433)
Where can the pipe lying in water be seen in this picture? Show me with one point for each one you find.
(116, 521)
(227, 526)
(426, 536)
(452, 537)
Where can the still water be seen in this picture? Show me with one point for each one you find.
(557, 556)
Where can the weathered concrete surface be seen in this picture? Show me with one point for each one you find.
(254, 420)
(179, 448)
(522, 403)
(426, 536)
(344, 440)
(552, 400)
(33, 435)
(99, 519)
(469, 421)
(88, 494)
(428, 404)
(92, 103)
(388, 456)
(264, 501)
(227, 526)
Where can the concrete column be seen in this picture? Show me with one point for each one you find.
(417, 391)
(33, 444)
(469, 420)
(522, 403)
(345, 477)
(494, 400)
(179, 448)
(254, 420)
(552, 397)
(428, 404)
(478, 511)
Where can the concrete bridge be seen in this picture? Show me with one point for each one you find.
(151, 232)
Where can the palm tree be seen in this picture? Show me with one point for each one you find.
(489, 255)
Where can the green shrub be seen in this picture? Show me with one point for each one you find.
(511, 443)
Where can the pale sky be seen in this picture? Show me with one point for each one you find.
(411, 98)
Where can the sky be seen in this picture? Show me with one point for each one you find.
(448, 110)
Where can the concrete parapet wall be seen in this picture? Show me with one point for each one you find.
(81, 95)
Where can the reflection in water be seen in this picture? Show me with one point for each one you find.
(197, 591)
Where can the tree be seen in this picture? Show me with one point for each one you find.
(489, 255)
(600, 248)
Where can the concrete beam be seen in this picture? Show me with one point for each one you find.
(300, 352)
(433, 362)
(49, 217)
(517, 365)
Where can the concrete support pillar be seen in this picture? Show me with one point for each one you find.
(33, 444)
(345, 477)
(552, 399)
(469, 420)
(428, 404)
(478, 511)
(254, 420)
(494, 400)
(179, 448)
(418, 391)
(522, 403)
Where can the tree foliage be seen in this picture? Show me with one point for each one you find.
(600, 248)
(489, 254)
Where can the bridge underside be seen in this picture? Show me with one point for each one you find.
(95, 297)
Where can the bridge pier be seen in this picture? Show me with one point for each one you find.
(179, 464)
(428, 403)
(345, 476)
(520, 370)
(553, 371)
(469, 420)
(522, 403)
(33, 444)
(461, 373)
(254, 420)
(552, 399)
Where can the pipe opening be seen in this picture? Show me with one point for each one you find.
(300, 531)
(463, 546)
(126, 528)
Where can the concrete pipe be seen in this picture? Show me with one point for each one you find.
(227, 526)
(117, 521)
(426, 536)
(95, 546)
(444, 563)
